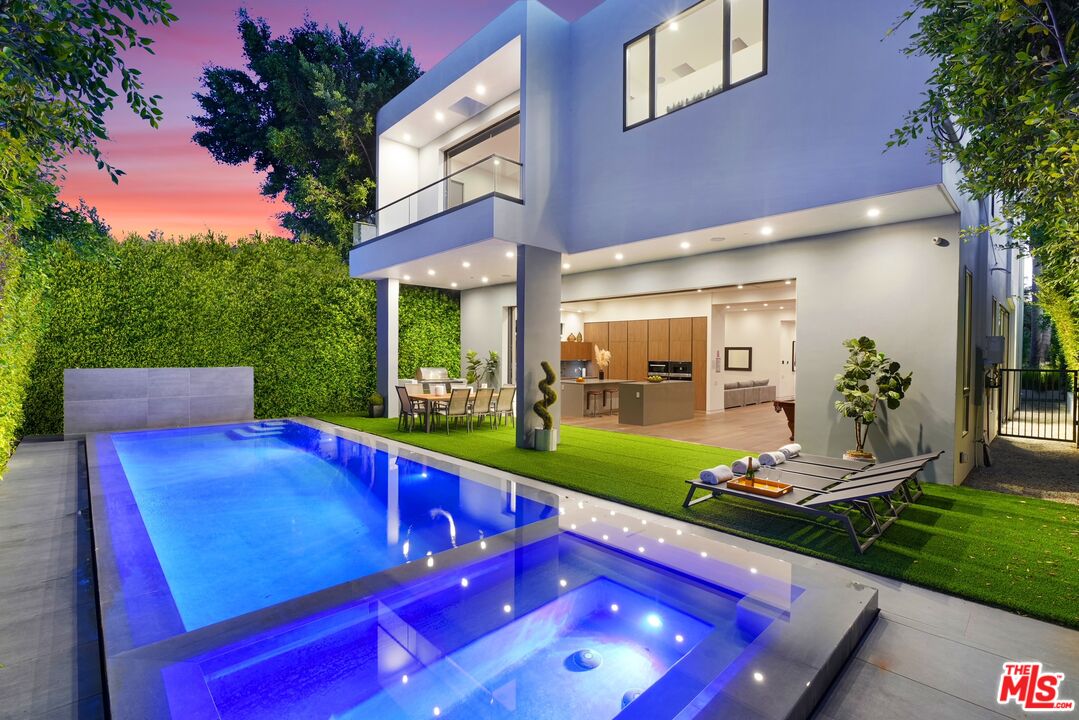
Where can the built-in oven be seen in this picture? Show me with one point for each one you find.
(661, 368)
(680, 371)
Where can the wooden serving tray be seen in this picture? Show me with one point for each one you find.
(760, 486)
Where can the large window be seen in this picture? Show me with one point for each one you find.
(712, 46)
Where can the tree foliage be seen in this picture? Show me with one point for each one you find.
(56, 60)
(20, 329)
(1003, 101)
(303, 111)
(866, 366)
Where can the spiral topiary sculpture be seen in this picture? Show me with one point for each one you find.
(550, 397)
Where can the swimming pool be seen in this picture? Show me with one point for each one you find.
(293, 569)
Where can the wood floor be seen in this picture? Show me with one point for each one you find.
(756, 428)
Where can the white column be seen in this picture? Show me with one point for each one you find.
(539, 295)
(387, 295)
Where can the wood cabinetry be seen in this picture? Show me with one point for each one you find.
(597, 332)
(637, 349)
(659, 339)
(577, 351)
(700, 363)
(617, 336)
(681, 344)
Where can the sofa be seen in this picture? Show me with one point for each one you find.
(747, 392)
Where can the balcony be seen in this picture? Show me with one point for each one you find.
(492, 177)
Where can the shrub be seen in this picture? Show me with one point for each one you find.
(20, 328)
(288, 310)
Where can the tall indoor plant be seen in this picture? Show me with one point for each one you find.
(864, 368)
(545, 439)
(479, 371)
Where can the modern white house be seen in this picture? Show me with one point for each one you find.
(685, 180)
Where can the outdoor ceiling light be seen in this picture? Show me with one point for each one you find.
(619, 256)
(673, 25)
(466, 264)
(406, 137)
(873, 212)
(481, 89)
(440, 116)
(941, 242)
(497, 162)
(431, 272)
(766, 230)
(406, 278)
(453, 284)
(684, 245)
(565, 266)
(509, 253)
(483, 279)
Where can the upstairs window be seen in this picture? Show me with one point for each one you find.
(712, 46)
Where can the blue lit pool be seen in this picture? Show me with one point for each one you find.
(285, 569)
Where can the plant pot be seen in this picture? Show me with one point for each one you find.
(600, 374)
(545, 440)
(859, 455)
(376, 411)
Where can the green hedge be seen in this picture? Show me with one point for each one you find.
(20, 328)
(289, 310)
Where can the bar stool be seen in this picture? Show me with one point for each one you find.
(609, 396)
(598, 395)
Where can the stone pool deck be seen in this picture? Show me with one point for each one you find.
(928, 655)
(49, 652)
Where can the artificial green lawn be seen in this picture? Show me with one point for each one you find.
(1013, 552)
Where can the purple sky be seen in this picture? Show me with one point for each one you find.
(173, 184)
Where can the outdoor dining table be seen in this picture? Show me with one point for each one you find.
(429, 401)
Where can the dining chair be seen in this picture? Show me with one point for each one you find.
(455, 409)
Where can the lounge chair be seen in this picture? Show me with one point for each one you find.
(838, 505)
(852, 465)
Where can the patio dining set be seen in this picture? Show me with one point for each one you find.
(453, 404)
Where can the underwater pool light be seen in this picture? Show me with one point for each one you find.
(430, 562)
(507, 608)
(614, 607)
(404, 679)
(464, 582)
(679, 638)
(654, 620)
(758, 676)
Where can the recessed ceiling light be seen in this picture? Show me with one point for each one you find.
(431, 272)
(453, 284)
(765, 304)
(766, 230)
(406, 137)
(684, 245)
(483, 279)
(466, 264)
(406, 278)
(580, 311)
(745, 309)
(788, 282)
(673, 25)
(509, 253)
(565, 266)
(873, 212)
(481, 89)
(728, 307)
(781, 307)
(440, 116)
(699, 290)
(740, 287)
(619, 256)
(497, 162)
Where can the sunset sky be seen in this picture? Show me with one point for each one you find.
(174, 185)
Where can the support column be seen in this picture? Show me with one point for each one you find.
(387, 295)
(539, 296)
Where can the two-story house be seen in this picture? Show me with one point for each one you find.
(729, 154)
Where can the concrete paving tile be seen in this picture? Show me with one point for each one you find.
(865, 691)
(46, 684)
(46, 633)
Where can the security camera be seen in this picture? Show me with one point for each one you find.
(941, 242)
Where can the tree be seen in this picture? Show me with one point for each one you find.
(1003, 102)
(866, 365)
(304, 111)
(56, 60)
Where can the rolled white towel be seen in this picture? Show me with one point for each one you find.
(740, 465)
(718, 474)
(791, 450)
(771, 459)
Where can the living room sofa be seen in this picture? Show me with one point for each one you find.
(747, 392)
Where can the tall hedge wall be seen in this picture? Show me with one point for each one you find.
(20, 327)
(289, 310)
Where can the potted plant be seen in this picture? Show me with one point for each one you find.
(490, 369)
(481, 372)
(472, 367)
(602, 358)
(376, 405)
(865, 367)
(544, 438)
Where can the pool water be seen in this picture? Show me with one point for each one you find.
(233, 519)
(498, 638)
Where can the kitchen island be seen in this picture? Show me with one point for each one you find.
(647, 403)
(574, 395)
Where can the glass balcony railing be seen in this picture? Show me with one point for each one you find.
(494, 175)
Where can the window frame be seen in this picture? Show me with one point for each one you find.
(727, 84)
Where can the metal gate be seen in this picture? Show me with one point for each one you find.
(1038, 404)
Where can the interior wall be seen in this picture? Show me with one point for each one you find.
(760, 330)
